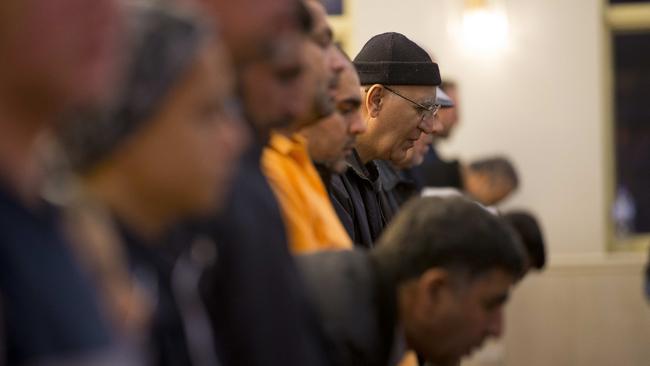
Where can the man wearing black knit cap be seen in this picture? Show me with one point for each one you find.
(399, 82)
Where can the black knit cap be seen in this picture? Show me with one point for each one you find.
(165, 42)
(392, 59)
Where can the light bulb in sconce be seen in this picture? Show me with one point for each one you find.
(484, 26)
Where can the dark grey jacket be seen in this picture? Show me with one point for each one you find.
(399, 183)
(368, 207)
(356, 307)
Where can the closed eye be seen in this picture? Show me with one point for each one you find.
(348, 106)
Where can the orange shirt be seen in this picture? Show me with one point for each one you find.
(410, 359)
(312, 223)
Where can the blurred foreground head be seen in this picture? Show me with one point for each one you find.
(253, 29)
(168, 147)
(272, 89)
(453, 264)
(294, 87)
(57, 53)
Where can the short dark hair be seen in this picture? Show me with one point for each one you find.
(448, 232)
(497, 167)
(305, 19)
(527, 226)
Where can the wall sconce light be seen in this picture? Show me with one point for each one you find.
(484, 26)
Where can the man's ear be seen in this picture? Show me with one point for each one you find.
(435, 282)
(374, 99)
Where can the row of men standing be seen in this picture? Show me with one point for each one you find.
(159, 240)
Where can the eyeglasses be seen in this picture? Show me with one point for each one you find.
(425, 112)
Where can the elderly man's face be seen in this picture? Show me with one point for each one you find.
(415, 156)
(251, 28)
(56, 51)
(332, 139)
(452, 316)
(394, 123)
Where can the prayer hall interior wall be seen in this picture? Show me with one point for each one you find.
(544, 101)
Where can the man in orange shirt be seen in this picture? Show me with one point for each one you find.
(312, 223)
(331, 140)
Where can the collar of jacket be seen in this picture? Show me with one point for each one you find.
(368, 172)
(325, 174)
(390, 176)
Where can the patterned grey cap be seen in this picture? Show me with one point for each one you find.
(165, 41)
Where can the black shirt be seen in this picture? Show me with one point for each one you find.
(49, 307)
(254, 295)
(366, 204)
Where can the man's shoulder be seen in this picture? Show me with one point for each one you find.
(341, 263)
(342, 288)
(338, 280)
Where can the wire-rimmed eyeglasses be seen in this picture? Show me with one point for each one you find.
(425, 112)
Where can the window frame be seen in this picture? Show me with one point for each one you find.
(619, 18)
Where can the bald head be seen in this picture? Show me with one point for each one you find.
(57, 52)
(252, 27)
(415, 156)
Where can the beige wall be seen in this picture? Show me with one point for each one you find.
(582, 314)
(543, 102)
(540, 101)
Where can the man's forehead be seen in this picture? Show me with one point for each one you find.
(492, 282)
(348, 86)
(287, 49)
(319, 17)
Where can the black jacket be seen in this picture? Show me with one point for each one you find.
(367, 206)
(356, 306)
(50, 311)
(399, 183)
(436, 172)
(254, 295)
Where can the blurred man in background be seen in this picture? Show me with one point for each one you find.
(331, 140)
(312, 223)
(487, 180)
(529, 230)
